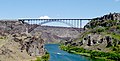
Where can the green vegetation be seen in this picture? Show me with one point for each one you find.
(3, 37)
(43, 58)
(91, 53)
(115, 39)
(105, 23)
(83, 35)
(116, 49)
(105, 28)
(98, 30)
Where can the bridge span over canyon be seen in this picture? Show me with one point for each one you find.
(73, 23)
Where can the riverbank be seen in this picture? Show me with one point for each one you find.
(45, 57)
(103, 56)
(56, 54)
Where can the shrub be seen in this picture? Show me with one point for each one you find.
(38, 59)
(114, 56)
(100, 30)
(43, 58)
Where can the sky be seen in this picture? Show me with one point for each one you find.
(14, 9)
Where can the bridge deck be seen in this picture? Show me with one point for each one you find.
(54, 19)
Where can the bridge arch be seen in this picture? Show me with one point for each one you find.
(57, 21)
(74, 23)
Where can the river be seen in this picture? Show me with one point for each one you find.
(59, 55)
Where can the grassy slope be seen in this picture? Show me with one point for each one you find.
(91, 53)
(105, 31)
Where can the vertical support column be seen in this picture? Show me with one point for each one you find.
(77, 23)
(39, 21)
(43, 21)
(35, 22)
(74, 23)
(80, 23)
(69, 21)
(30, 22)
(66, 21)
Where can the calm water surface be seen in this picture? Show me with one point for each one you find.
(59, 55)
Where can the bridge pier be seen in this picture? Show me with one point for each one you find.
(80, 23)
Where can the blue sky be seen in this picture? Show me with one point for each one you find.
(14, 9)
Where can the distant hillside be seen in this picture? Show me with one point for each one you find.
(50, 34)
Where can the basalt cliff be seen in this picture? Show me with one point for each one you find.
(101, 37)
(17, 45)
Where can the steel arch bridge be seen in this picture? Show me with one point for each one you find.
(74, 23)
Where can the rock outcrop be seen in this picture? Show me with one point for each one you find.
(102, 33)
(21, 47)
(11, 27)
(105, 21)
(111, 16)
(18, 45)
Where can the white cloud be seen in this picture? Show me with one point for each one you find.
(44, 17)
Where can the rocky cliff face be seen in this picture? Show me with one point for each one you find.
(104, 21)
(59, 31)
(10, 27)
(16, 44)
(98, 42)
(21, 47)
(101, 34)
(56, 34)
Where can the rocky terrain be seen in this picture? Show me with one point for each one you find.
(111, 16)
(21, 47)
(56, 34)
(102, 34)
(16, 44)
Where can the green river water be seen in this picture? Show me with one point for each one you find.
(59, 55)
